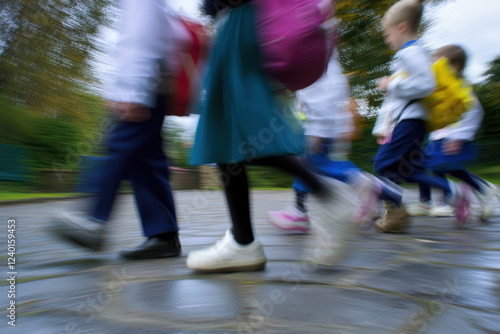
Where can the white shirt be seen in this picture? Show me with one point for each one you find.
(383, 123)
(413, 79)
(149, 36)
(326, 104)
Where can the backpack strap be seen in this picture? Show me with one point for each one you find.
(402, 110)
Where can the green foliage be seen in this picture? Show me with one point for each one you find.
(52, 142)
(266, 177)
(47, 46)
(360, 35)
(45, 77)
(493, 72)
(365, 148)
(176, 148)
(488, 94)
(15, 124)
(47, 151)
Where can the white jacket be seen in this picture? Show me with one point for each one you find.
(149, 36)
(413, 79)
(326, 104)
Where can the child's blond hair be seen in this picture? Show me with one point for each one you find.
(405, 11)
(455, 54)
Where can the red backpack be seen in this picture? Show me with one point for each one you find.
(184, 83)
(296, 38)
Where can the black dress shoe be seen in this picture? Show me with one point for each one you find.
(154, 248)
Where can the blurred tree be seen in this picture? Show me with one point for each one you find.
(46, 76)
(177, 147)
(488, 93)
(362, 49)
(493, 72)
(46, 48)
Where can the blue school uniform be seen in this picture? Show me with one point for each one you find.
(321, 164)
(403, 158)
(404, 154)
(342, 170)
(455, 164)
(241, 117)
(437, 161)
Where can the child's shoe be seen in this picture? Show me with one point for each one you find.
(395, 220)
(226, 255)
(368, 189)
(487, 199)
(461, 200)
(420, 209)
(332, 219)
(442, 210)
(463, 209)
(290, 219)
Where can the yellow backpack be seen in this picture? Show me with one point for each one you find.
(451, 98)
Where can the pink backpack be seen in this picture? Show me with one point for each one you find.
(296, 39)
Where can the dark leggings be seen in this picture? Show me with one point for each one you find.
(235, 181)
(473, 180)
(300, 197)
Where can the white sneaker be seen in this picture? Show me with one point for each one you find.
(488, 200)
(442, 210)
(332, 219)
(419, 209)
(226, 255)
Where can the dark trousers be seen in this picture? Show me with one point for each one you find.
(471, 179)
(402, 159)
(135, 152)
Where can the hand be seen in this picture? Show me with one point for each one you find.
(381, 140)
(384, 83)
(129, 112)
(452, 147)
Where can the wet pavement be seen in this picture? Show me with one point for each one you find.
(434, 279)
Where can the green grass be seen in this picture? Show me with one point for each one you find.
(12, 195)
(490, 173)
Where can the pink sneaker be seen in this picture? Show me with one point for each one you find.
(463, 211)
(368, 189)
(290, 219)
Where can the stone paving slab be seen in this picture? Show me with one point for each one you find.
(434, 279)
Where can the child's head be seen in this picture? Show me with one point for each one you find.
(401, 22)
(455, 54)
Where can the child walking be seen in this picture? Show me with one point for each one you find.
(400, 158)
(244, 120)
(329, 128)
(451, 149)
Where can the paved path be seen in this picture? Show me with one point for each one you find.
(435, 279)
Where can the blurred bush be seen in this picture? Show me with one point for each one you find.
(49, 104)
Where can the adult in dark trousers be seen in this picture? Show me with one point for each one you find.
(135, 147)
